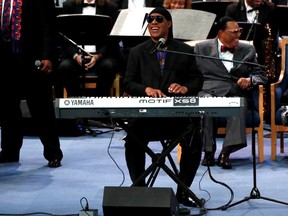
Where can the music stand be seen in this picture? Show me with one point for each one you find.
(130, 26)
(254, 32)
(190, 24)
(84, 29)
(212, 6)
(250, 31)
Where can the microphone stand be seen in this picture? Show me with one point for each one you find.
(253, 26)
(214, 58)
(83, 53)
(78, 46)
(255, 193)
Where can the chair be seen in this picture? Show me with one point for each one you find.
(276, 91)
(258, 100)
(90, 82)
(115, 89)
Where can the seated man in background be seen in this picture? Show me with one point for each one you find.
(177, 4)
(103, 58)
(227, 79)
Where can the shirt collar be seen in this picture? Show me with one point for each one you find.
(92, 2)
(247, 6)
(219, 45)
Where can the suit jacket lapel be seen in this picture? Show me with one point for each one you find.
(154, 60)
(124, 4)
(215, 53)
(238, 55)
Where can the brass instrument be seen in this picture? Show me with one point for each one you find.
(269, 60)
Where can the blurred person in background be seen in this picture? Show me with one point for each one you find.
(256, 11)
(177, 4)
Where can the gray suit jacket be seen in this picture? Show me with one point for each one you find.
(217, 80)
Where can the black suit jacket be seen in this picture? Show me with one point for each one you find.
(110, 9)
(38, 32)
(237, 11)
(143, 69)
(217, 80)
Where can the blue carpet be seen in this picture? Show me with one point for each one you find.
(91, 163)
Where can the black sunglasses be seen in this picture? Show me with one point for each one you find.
(158, 19)
(236, 31)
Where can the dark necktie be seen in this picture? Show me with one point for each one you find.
(88, 4)
(253, 9)
(161, 58)
(224, 49)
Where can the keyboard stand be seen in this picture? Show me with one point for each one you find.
(157, 162)
(155, 172)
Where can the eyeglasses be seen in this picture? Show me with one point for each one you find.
(158, 19)
(236, 31)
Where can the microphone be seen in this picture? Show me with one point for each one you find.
(38, 64)
(159, 45)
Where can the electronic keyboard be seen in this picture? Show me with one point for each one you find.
(130, 107)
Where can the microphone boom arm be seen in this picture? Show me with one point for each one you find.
(79, 47)
(215, 58)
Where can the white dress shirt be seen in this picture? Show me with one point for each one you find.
(225, 55)
(136, 4)
(252, 16)
(89, 11)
